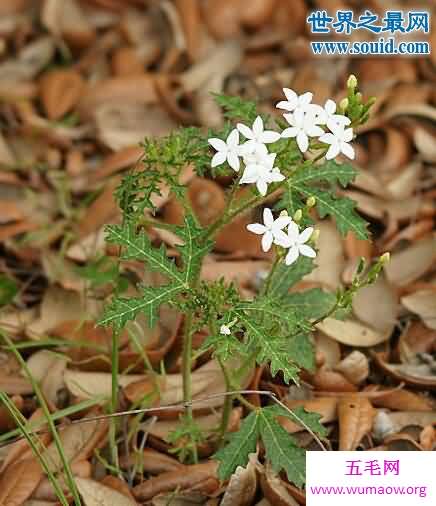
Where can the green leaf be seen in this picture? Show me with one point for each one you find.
(285, 276)
(311, 304)
(194, 248)
(281, 449)
(301, 349)
(341, 208)
(122, 310)
(301, 417)
(138, 247)
(271, 349)
(329, 172)
(236, 107)
(241, 444)
(8, 290)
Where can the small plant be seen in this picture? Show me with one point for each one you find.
(274, 327)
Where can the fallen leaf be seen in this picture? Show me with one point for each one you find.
(19, 481)
(60, 92)
(242, 486)
(94, 493)
(352, 332)
(422, 303)
(356, 416)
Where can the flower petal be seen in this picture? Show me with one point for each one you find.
(287, 106)
(328, 138)
(314, 130)
(245, 131)
(275, 176)
(292, 255)
(307, 251)
(291, 96)
(293, 232)
(330, 106)
(305, 98)
(233, 160)
(280, 237)
(281, 222)
(258, 127)
(267, 241)
(218, 158)
(256, 228)
(347, 150)
(262, 186)
(333, 151)
(290, 132)
(217, 144)
(268, 217)
(348, 135)
(305, 235)
(302, 141)
(250, 174)
(290, 118)
(233, 138)
(269, 136)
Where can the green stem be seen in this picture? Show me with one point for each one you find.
(187, 373)
(114, 400)
(50, 422)
(267, 284)
(228, 402)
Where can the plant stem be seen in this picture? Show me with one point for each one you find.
(114, 400)
(187, 373)
(267, 283)
(228, 402)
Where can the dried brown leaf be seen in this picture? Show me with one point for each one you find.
(356, 416)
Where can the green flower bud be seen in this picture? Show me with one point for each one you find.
(298, 215)
(315, 236)
(352, 82)
(311, 201)
(343, 104)
(384, 259)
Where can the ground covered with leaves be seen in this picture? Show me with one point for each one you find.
(82, 84)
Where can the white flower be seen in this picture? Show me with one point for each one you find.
(253, 154)
(338, 140)
(262, 172)
(303, 126)
(256, 135)
(331, 118)
(225, 330)
(295, 241)
(229, 150)
(294, 102)
(272, 230)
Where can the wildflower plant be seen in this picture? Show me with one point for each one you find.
(289, 161)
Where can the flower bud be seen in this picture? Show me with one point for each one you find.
(352, 82)
(359, 97)
(315, 236)
(343, 104)
(298, 215)
(311, 201)
(384, 259)
(283, 213)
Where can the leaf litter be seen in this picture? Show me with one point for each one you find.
(81, 84)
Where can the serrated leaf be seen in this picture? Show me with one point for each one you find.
(301, 349)
(301, 417)
(193, 249)
(241, 444)
(281, 449)
(285, 276)
(271, 349)
(139, 247)
(311, 304)
(122, 310)
(342, 209)
(329, 172)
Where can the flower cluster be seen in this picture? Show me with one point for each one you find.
(306, 120)
(273, 232)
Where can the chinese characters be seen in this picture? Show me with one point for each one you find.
(372, 467)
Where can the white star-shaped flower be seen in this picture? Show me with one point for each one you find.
(294, 102)
(262, 172)
(303, 126)
(256, 135)
(227, 151)
(225, 330)
(338, 139)
(271, 230)
(295, 242)
(331, 118)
